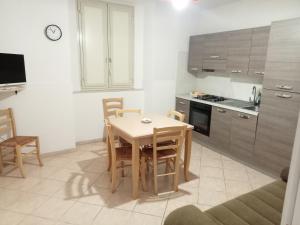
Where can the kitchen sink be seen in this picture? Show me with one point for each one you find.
(254, 108)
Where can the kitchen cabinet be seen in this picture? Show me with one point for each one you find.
(195, 54)
(277, 125)
(239, 45)
(242, 138)
(183, 106)
(258, 51)
(220, 128)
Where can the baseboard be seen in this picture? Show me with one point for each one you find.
(48, 154)
(91, 141)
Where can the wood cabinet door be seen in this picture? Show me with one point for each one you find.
(220, 128)
(183, 106)
(284, 42)
(195, 54)
(242, 139)
(238, 56)
(277, 124)
(258, 51)
(215, 46)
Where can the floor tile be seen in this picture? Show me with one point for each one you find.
(206, 171)
(112, 217)
(143, 219)
(53, 208)
(208, 197)
(211, 162)
(238, 175)
(151, 206)
(213, 184)
(8, 197)
(10, 218)
(237, 187)
(48, 187)
(81, 214)
(23, 184)
(32, 220)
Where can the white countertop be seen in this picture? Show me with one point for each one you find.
(188, 97)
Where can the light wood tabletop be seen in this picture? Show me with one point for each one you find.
(133, 130)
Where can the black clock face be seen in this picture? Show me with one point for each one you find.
(53, 32)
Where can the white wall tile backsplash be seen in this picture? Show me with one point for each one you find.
(237, 87)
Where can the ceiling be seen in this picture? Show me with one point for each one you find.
(213, 3)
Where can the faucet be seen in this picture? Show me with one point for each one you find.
(255, 102)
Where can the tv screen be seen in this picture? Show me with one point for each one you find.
(12, 69)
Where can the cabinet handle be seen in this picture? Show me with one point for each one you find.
(221, 110)
(214, 56)
(181, 111)
(182, 103)
(284, 87)
(259, 73)
(239, 71)
(283, 96)
(244, 116)
(234, 71)
(194, 69)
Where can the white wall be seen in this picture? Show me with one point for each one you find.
(51, 100)
(45, 107)
(234, 16)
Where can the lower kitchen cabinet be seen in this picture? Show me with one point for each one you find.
(276, 129)
(183, 106)
(220, 127)
(242, 138)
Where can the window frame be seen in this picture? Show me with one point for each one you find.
(108, 76)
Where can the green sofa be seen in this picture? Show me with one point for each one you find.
(260, 207)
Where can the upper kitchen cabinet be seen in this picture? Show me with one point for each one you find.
(258, 52)
(284, 43)
(239, 46)
(283, 58)
(195, 54)
(214, 52)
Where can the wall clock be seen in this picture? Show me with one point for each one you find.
(53, 32)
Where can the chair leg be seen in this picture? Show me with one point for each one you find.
(38, 151)
(122, 167)
(113, 178)
(20, 161)
(109, 154)
(176, 176)
(143, 173)
(155, 176)
(1, 162)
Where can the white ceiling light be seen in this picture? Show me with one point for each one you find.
(180, 4)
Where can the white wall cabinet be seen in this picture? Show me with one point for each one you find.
(106, 37)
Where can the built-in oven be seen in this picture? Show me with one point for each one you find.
(200, 115)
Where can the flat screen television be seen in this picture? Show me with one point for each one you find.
(12, 69)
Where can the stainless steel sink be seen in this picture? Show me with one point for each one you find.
(254, 108)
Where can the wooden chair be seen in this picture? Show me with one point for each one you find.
(110, 105)
(121, 112)
(119, 156)
(176, 115)
(162, 152)
(15, 143)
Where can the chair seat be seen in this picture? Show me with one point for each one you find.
(124, 153)
(18, 140)
(161, 155)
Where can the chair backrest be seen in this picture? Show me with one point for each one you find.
(168, 138)
(7, 124)
(176, 115)
(111, 139)
(121, 112)
(110, 105)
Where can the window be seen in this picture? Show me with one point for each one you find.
(106, 40)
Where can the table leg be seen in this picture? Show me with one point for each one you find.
(187, 153)
(135, 168)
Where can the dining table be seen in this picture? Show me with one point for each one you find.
(138, 133)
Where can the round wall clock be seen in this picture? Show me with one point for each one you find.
(53, 32)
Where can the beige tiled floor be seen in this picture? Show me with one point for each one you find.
(74, 188)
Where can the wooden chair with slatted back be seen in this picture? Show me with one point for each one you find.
(176, 115)
(121, 112)
(13, 143)
(110, 105)
(119, 156)
(162, 152)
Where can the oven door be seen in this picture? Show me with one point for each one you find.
(200, 115)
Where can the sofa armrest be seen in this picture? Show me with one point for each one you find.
(188, 215)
